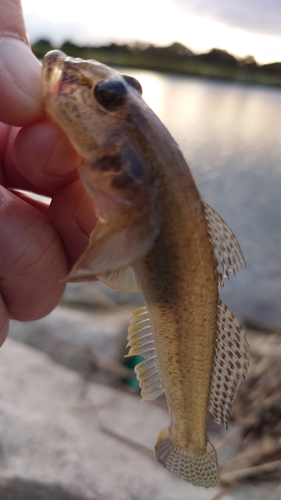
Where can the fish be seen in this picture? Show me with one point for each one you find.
(155, 234)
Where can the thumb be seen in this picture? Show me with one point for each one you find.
(20, 78)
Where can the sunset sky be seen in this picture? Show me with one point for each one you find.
(242, 27)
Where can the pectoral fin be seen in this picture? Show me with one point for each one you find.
(112, 247)
(123, 280)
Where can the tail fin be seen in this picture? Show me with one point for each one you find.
(198, 469)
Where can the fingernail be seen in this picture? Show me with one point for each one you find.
(20, 84)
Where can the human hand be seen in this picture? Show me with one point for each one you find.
(37, 243)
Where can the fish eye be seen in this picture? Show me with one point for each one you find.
(133, 82)
(111, 94)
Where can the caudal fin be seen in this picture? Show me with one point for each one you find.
(199, 469)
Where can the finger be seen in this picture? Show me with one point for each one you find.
(4, 321)
(20, 79)
(37, 202)
(11, 20)
(72, 215)
(32, 260)
(44, 156)
(9, 173)
(4, 138)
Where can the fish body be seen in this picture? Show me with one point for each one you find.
(156, 235)
(182, 300)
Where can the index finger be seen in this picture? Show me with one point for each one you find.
(20, 78)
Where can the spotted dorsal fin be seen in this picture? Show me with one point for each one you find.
(141, 342)
(231, 363)
(226, 248)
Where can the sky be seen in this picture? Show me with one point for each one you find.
(242, 27)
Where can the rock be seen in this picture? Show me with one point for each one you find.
(17, 489)
(87, 332)
(92, 343)
(64, 439)
(57, 444)
(104, 332)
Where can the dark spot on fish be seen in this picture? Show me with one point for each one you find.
(137, 168)
(110, 163)
(68, 77)
(122, 181)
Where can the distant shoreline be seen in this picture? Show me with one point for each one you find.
(175, 58)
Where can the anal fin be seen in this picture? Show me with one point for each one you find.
(141, 342)
(231, 363)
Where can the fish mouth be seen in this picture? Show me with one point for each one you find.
(52, 71)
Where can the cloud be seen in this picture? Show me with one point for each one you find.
(258, 16)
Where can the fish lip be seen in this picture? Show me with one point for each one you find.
(52, 71)
(54, 56)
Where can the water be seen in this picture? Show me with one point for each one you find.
(230, 135)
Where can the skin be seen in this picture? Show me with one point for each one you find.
(38, 244)
(177, 273)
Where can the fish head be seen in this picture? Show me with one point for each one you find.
(92, 104)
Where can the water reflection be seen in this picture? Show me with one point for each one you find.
(231, 136)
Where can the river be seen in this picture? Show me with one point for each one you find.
(230, 135)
